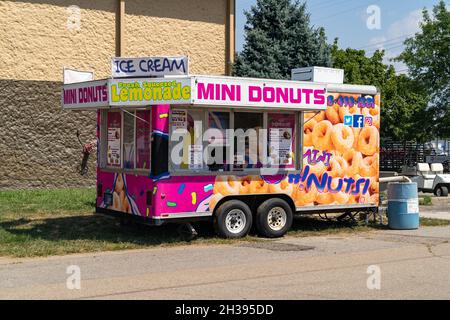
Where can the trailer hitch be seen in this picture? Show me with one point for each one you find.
(87, 150)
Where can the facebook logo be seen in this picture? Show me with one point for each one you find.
(358, 121)
(348, 120)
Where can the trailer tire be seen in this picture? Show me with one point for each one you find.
(233, 219)
(441, 191)
(274, 218)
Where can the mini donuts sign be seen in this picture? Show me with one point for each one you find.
(239, 92)
(89, 94)
(196, 90)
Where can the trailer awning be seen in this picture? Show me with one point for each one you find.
(195, 91)
(353, 88)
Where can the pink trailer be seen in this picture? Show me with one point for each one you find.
(235, 151)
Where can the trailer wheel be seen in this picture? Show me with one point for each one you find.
(233, 219)
(441, 191)
(273, 218)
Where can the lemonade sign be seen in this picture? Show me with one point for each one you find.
(149, 92)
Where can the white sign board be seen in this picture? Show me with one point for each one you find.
(149, 67)
(75, 76)
(241, 92)
(85, 95)
(196, 90)
(412, 205)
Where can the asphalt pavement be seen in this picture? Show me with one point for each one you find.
(439, 210)
(383, 264)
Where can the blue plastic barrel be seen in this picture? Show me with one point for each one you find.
(403, 205)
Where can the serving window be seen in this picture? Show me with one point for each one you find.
(143, 139)
(128, 149)
(218, 144)
(208, 140)
(187, 155)
(247, 142)
(126, 140)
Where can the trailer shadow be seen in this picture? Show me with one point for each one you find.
(101, 229)
(90, 228)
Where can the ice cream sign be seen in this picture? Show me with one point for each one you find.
(149, 67)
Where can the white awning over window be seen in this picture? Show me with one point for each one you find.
(196, 91)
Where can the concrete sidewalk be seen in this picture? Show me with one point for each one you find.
(413, 265)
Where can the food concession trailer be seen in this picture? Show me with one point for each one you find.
(159, 141)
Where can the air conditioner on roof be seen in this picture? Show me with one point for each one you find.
(318, 74)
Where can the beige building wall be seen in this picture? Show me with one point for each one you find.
(38, 145)
(36, 42)
(195, 28)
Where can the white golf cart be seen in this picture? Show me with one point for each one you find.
(433, 180)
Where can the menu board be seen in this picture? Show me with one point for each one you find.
(190, 122)
(195, 157)
(114, 125)
(281, 139)
(179, 119)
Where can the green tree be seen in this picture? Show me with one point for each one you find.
(360, 69)
(404, 115)
(427, 56)
(403, 104)
(279, 38)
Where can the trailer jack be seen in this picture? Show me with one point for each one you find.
(347, 216)
(187, 231)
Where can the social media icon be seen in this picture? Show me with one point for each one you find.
(348, 120)
(368, 121)
(358, 121)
